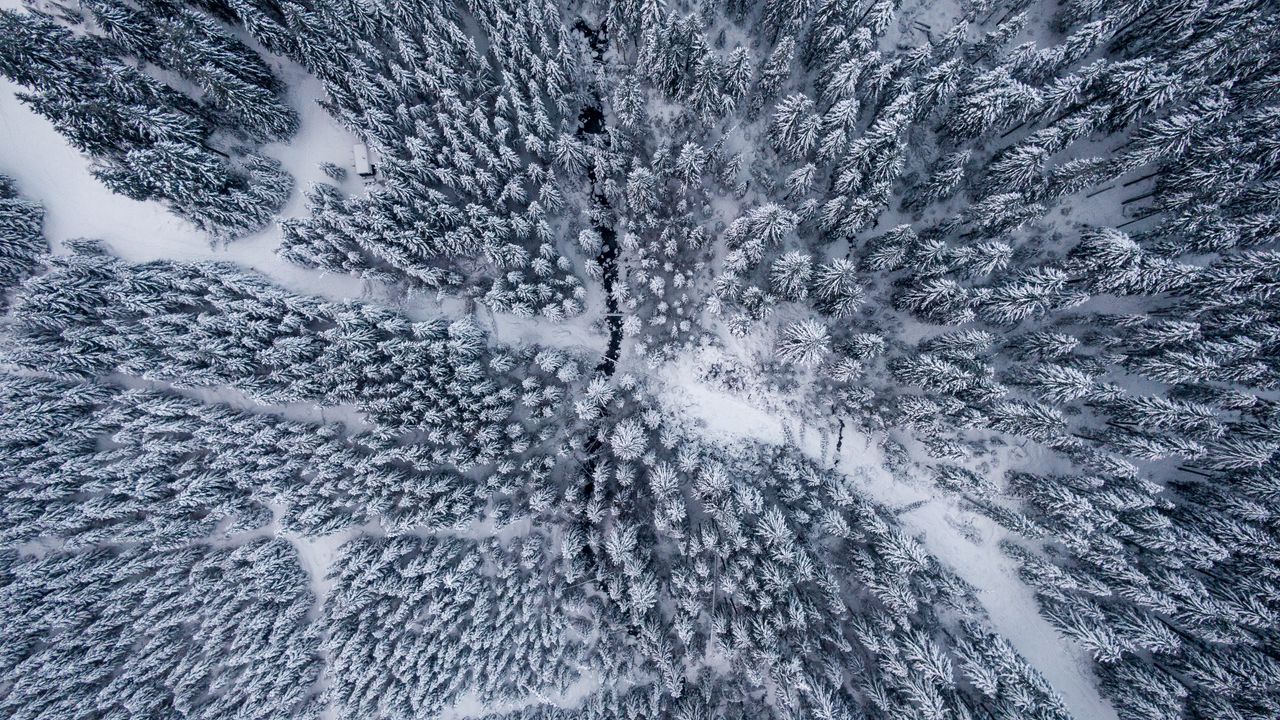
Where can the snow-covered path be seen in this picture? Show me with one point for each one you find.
(1009, 603)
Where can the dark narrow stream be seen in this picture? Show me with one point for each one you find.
(591, 122)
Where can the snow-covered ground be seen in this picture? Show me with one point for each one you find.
(469, 705)
(78, 206)
(936, 520)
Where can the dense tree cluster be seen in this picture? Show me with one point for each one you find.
(148, 137)
(934, 170)
(199, 325)
(1030, 248)
(472, 618)
(21, 239)
(75, 455)
(195, 632)
(743, 581)
(471, 109)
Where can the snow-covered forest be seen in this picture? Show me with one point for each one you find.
(596, 360)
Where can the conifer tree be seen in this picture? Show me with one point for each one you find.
(21, 236)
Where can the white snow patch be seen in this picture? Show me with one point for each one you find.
(317, 554)
(76, 204)
(1010, 604)
(722, 415)
(579, 333)
(50, 171)
(53, 173)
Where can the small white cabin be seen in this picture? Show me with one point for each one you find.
(360, 153)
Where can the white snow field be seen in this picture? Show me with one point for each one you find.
(78, 206)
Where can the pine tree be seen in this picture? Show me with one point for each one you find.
(804, 343)
(21, 236)
(790, 275)
(150, 140)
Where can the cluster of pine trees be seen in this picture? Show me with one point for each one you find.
(1051, 226)
(76, 455)
(882, 189)
(471, 109)
(744, 581)
(134, 570)
(686, 576)
(21, 237)
(415, 624)
(212, 324)
(161, 97)
(199, 631)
